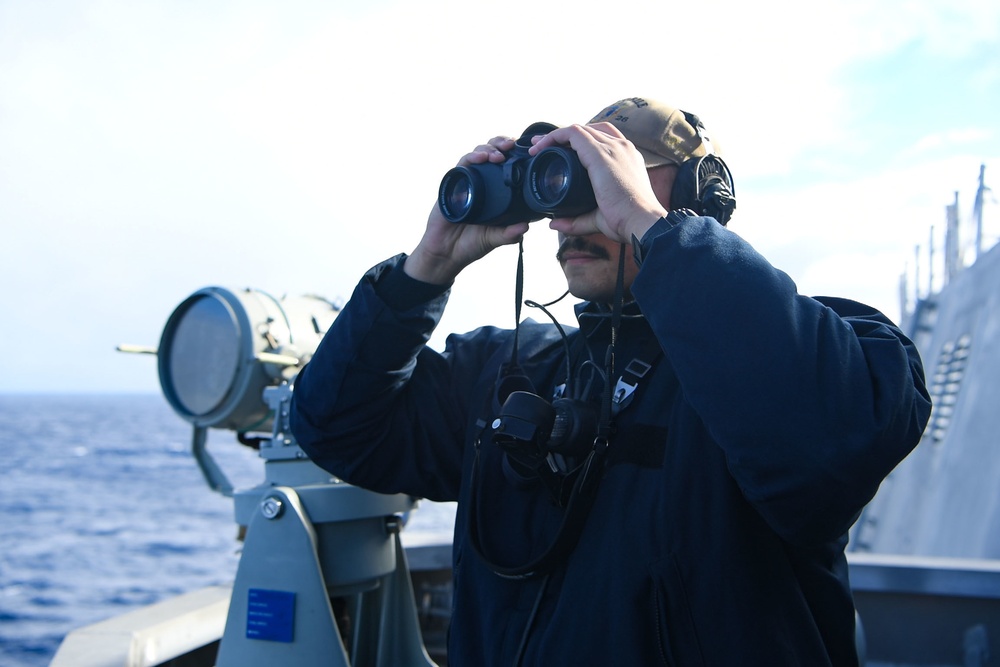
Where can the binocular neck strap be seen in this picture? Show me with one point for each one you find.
(581, 498)
(511, 377)
(575, 516)
(518, 296)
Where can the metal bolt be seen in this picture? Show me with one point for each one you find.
(271, 507)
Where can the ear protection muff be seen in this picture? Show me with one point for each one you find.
(704, 184)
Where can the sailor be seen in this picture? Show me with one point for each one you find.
(715, 433)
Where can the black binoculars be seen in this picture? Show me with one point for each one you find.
(521, 189)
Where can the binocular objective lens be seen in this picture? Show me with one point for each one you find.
(554, 181)
(457, 196)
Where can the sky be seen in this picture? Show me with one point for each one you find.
(149, 150)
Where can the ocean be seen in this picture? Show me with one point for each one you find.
(103, 510)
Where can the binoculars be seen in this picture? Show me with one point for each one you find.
(521, 189)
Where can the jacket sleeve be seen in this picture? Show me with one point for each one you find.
(377, 407)
(813, 401)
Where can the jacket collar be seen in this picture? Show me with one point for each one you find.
(595, 318)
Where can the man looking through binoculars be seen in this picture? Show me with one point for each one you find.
(671, 483)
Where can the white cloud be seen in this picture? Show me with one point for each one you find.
(149, 150)
(957, 138)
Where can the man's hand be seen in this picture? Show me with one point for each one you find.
(626, 203)
(446, 248)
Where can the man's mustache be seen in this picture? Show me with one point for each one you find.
(580, 244)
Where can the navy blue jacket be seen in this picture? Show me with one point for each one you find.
(718, 529)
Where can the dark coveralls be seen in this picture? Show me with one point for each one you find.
(717, 532)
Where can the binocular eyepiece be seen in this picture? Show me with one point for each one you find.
(521, 189)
